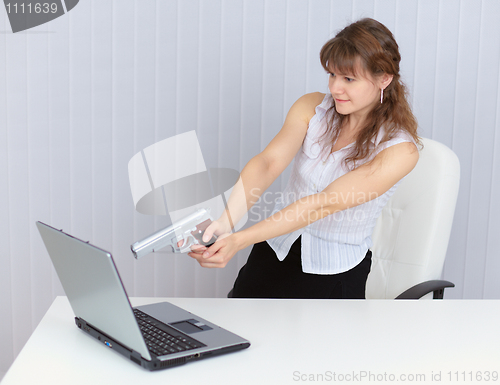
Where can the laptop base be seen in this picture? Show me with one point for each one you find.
(155, 363)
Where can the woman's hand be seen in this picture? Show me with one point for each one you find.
(217, 255)
(220, 253)
(199, 252)
(218, 228)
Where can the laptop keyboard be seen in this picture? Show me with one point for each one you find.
(161, 339)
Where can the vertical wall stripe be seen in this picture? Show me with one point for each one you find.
(6, 272)
(452, 247)
(482, 150)
(265, 21)
(241, 144)
(467, 54)
(492, 265)
(285, 55)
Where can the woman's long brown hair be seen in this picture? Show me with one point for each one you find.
(371, 44)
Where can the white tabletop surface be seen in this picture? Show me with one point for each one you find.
(293, 341)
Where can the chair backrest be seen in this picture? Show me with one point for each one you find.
(411, 236)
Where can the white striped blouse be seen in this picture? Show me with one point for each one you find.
(339, 241)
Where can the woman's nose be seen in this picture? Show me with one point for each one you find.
(335, 86)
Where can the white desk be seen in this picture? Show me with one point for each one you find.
(292, 341)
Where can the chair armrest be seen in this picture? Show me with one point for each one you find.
(418, 291)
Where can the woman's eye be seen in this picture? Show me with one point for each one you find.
(349, 79)
(331, 74)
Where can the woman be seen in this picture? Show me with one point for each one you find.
(352, 147)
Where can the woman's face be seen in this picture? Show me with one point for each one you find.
(354, 95)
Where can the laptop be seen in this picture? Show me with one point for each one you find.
(155, 336)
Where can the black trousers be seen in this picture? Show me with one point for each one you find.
(264, 276)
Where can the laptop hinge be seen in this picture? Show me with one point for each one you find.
(136, 357)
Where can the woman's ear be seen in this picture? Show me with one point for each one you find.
(385, 80)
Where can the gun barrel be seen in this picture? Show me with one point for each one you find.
(156, 241)
(168, 235)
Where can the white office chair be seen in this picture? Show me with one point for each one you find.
(411, 236)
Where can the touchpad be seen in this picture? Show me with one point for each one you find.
(190, 326)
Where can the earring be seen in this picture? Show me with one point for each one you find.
(381, 95)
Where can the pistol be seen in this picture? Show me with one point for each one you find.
(189, 230)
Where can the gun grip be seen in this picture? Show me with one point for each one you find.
(200, 230)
